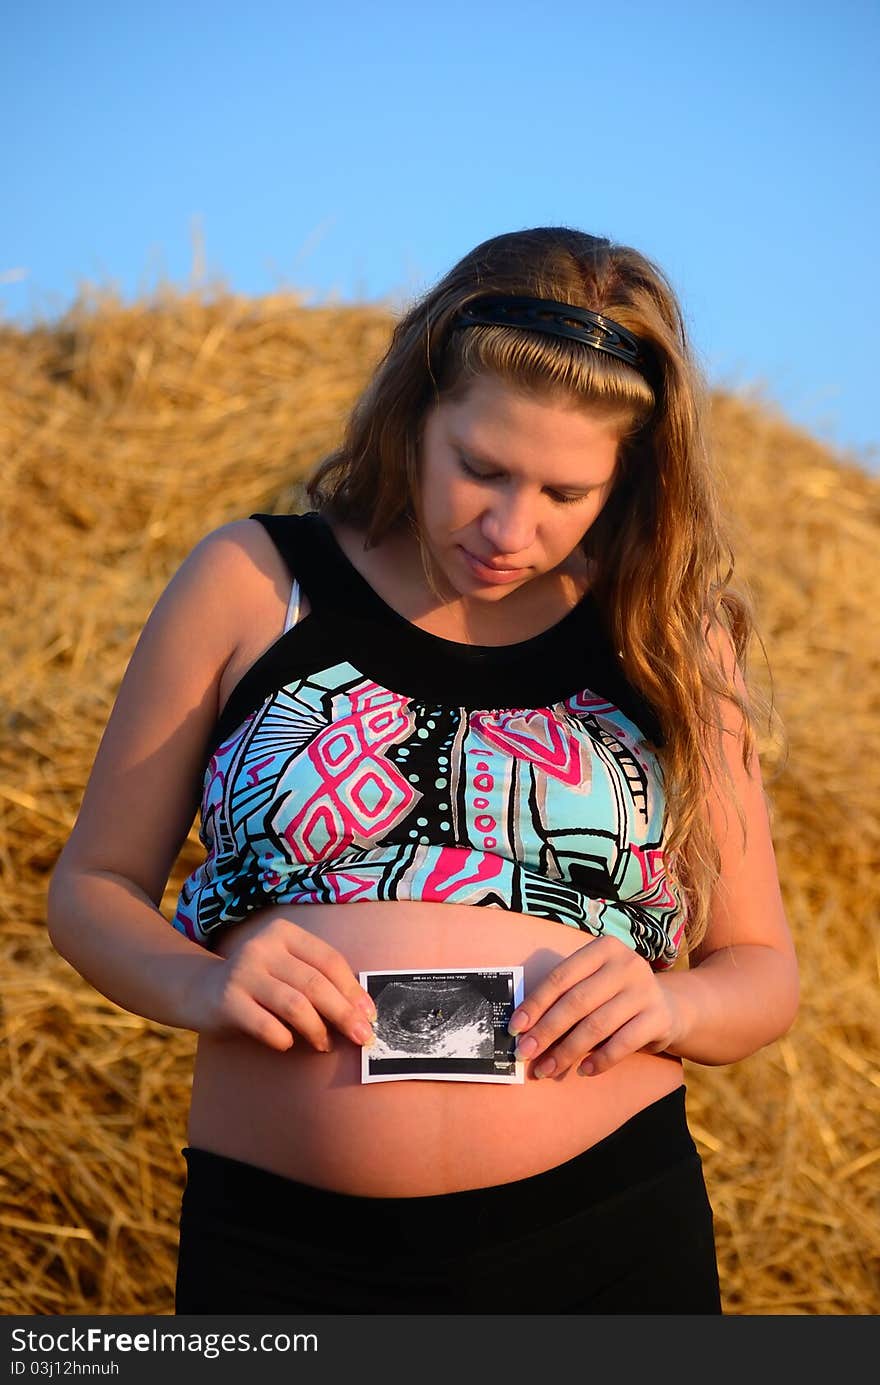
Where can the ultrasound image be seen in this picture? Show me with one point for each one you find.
(443, 1024)
(438, 1019)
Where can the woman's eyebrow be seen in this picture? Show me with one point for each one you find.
(474, 451)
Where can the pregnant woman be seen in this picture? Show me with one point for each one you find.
(483, 706)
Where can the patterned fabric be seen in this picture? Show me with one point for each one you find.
(336, 789)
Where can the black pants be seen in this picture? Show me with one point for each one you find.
(625, 1227)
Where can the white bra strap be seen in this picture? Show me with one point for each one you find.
(292, 607)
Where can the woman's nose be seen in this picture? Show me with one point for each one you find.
(509, 524)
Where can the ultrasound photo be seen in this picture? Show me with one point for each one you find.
(448, 1026)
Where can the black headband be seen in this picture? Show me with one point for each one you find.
(558, 320)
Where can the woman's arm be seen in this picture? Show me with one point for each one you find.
(740, 993)
(280, 979)
(142, 795)
(733, 1003)
(112, 933)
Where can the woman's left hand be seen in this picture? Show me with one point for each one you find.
(595, 1007)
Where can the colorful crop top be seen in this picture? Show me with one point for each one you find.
(363, 758)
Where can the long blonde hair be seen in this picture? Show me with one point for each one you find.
(660, 547)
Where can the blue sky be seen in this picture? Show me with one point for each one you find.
(356, 151)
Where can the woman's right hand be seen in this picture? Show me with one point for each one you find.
(276, 978)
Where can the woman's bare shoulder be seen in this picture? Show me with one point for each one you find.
(245, 547)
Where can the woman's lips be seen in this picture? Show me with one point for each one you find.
(492, 576)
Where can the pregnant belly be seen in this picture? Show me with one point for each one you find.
(307, 1115)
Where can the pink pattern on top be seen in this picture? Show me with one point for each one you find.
(536, 736)
(359, 795)
(448, 875)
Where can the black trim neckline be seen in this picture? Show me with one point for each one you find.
(376, 605)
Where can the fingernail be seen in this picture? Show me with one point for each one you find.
(546, 1068)
(518, 1020)
(364, 1034)
(586, 1069)
(368, 1008)
(526, 1047)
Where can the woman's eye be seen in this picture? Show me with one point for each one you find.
(471, 471)
(567, 499)
(556, 496)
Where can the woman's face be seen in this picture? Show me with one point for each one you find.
(509, 486)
